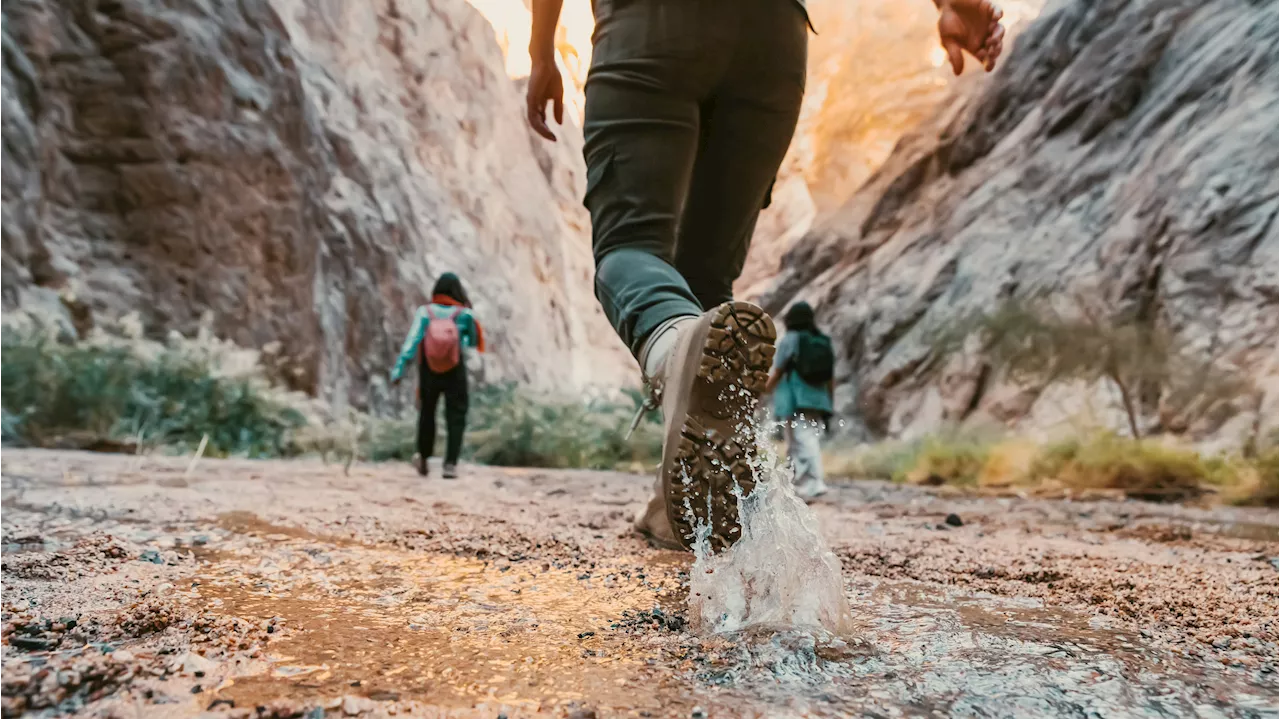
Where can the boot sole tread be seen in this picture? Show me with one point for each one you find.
(712, 454)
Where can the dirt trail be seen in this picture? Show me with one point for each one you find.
(287, 589)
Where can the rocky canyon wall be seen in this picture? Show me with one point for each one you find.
(299, 172)
(1126, 149)
(876, 71)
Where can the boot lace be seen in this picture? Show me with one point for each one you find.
(652, 401)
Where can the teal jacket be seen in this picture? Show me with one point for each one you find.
(469, 333)
(792, 393)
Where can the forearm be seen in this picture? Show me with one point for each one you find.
(409, 348)
(542, 42)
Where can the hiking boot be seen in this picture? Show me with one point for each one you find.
(709, 384)
(450, 471)
(420, 464)
(652, 523)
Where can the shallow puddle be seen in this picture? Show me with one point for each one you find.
(983, 656)
(532, 635)
(440, 629)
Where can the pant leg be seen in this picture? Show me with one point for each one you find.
(747, 125)
(653, 62)
(430, 388)
(456, 399)
(793, 448)
(806, 453)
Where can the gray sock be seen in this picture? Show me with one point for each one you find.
(659, 344)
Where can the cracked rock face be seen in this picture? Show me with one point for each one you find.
(299, 171)
(1126, 149)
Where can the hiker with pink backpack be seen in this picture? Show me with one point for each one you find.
(440, 330)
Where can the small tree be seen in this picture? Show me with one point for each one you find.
(1033, 341)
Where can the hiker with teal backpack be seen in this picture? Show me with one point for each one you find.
(440, 331)
(802, 382)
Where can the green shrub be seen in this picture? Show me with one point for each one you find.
(951, 456)
(1266, 489)
(882, 460)
(90, 394)
(389, 439)
(508, 427)
(1142, 469)
(95, 392)
(946, 461)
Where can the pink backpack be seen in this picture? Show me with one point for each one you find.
(442, 345)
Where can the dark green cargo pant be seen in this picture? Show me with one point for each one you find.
(690, 107)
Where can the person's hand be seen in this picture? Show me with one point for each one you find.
(395, 381)
(971, 26)
(545, 86)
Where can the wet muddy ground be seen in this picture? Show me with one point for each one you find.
(133, 588)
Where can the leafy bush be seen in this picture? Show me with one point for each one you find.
(952, 456)
(389, 439)
(1265, 490)
(58, 395)
(883, 460)
(1258, 475)
(1008, 462)
(508, 427)
(946, 461)
(1142, 469)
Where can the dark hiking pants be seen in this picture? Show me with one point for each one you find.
(690, 107)
(451, 385)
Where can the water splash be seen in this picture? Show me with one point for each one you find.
(780, 575)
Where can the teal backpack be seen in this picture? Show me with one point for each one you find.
(814, 360)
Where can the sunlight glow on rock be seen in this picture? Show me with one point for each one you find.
(511, 25)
